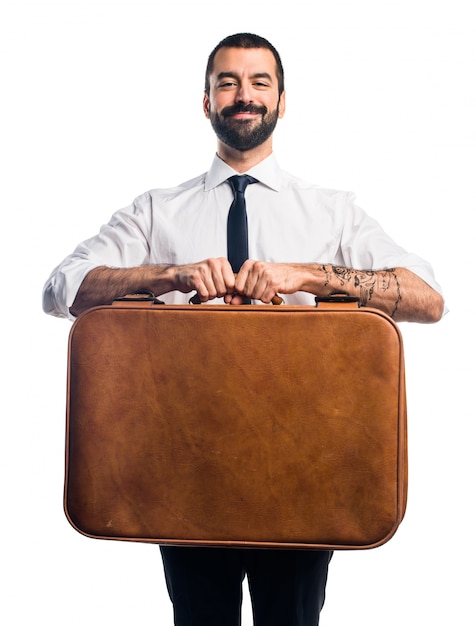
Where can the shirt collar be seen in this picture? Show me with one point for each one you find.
(266, 172)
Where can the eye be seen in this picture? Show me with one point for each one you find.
(261, 84)
(227, 84)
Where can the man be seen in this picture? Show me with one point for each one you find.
(303, 241)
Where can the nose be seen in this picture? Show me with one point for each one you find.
(244, 93)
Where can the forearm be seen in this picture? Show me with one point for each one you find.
(210, 278)
(398, 292)
(103, 284)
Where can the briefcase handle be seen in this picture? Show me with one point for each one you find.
(149, 297)
(333, 298)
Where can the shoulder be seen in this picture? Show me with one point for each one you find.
(164, 193)
(336, 197)
(147, 203)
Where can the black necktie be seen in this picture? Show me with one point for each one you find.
(237, 232)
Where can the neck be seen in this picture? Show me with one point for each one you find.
(242, 161)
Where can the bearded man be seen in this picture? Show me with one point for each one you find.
(303, 241)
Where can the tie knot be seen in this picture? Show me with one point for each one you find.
(240, 183)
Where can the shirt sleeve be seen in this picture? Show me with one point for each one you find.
(123, 242)
(365, 245)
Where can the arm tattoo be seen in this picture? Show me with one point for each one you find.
(398, 295)
(369, 283)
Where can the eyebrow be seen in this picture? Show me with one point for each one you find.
(223, 75)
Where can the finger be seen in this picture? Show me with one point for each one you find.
(222, 278)
(237, 299)
(245, 278)
(255, 280)
(252, 281)
(214, 278)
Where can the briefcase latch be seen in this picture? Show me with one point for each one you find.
(142, 297)
(338, 297)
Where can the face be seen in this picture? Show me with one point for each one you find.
(243, 105)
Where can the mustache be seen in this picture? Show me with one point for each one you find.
(243, 108)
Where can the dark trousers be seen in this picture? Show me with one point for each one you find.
(287, 587)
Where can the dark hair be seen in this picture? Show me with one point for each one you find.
(245, 40)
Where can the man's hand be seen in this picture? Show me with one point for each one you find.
(211, 278)
(261, 280)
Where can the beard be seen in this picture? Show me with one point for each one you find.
(244, 134)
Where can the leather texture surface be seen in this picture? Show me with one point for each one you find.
(244, 426)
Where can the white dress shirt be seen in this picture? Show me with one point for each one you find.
(289, 220)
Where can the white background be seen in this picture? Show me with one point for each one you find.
(101, 101)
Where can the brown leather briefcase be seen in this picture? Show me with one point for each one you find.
(258, 426)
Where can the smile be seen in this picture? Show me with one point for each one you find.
(243, 116)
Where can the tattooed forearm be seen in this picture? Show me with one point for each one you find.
(368, 285)
(378, 283)
(397, 291)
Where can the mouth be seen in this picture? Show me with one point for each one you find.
(243, 116)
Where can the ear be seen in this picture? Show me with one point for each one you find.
(206, 105)
(282, 105)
